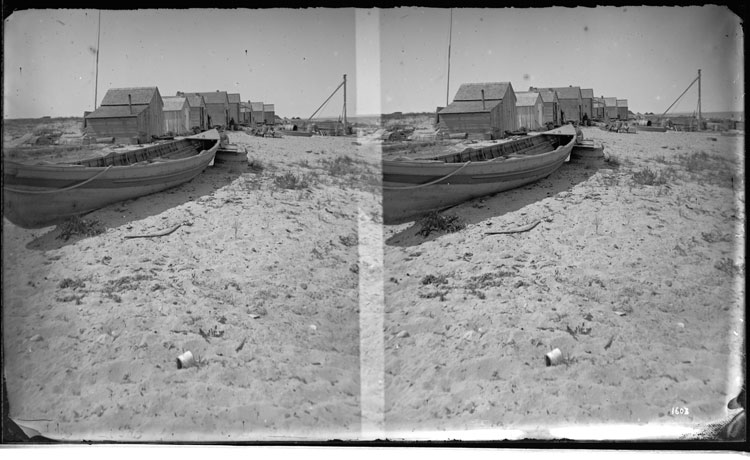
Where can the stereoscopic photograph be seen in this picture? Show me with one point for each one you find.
(373, 224)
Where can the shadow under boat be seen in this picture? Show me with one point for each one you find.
(482, 209)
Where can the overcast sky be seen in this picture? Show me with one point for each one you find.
(296, 58)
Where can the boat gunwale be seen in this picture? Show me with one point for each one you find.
(433, 162)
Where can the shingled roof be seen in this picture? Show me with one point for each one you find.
(547, 95)
(119, 96)
(117, 111)
(195, 100)
(215, 97)
(234, 98)
(473, 91)
(587, 93)
(563, 92)
(527, 98)
(469, 106)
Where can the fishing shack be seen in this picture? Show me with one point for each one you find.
(246, 114)
(587, 103)
(622, 109)
(551, 107)
(217, 107)
(598, 108)
(176, 115)
(198, 112)
(482, 110)
(234, 107)
(257, 113)
(269, 114)
(570, 102)
(530, 110)
(130, 115)
(610, 108)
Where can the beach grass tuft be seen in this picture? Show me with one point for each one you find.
(436, 222)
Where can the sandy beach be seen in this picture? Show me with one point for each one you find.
(310, 319)
(640, 286)
(260, 283)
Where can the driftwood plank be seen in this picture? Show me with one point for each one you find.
(525, 228)
(152, 235)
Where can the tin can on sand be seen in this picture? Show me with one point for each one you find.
(185, 360)
(554, 357)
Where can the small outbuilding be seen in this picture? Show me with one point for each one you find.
(246, 113)
(198, 112)
(217, 107)
(622, 109)
(258, 115)
(597, 108)
(487, 109)
(530, 110)
(269, 114)
(552, 113)
(571, 103)
(176, 115)
(130, 115)
(234, 107)
(587, 103)
(610, 108)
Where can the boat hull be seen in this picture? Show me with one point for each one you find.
(653, 129)
(36, 196)
(587, 150)
(296, 133)
(406, 193)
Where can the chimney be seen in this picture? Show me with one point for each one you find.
(130, 104)
(483, 100)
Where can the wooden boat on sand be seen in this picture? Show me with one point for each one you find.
(587, 150)
(38, 195)
(413, 187)
(654, 129)
(296, 133)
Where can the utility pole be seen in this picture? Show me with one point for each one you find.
(448, 83)
(96, 81)
(345, 132)
(699, 99)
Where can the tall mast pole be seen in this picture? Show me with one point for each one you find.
(96, 81)
(699, 98)
(448, 82)
(345, 104)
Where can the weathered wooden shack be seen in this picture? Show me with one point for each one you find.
(597, 109)
(610, 108)
(570, 101)
(234, 107)
(176, 115)
(217, 107)
(131, 115)
(530, 110)
(622, 109)
(587, 103)
(482, 109)
(269, 114)
(198, 112)
(246, 113)
(258, 116)
(551, 106)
